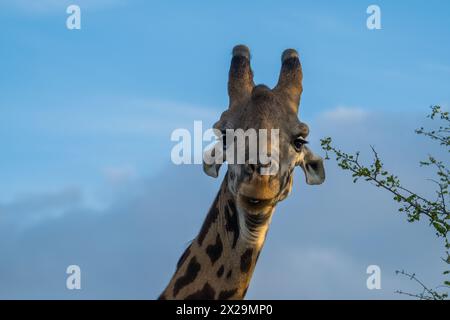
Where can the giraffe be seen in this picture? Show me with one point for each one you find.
(219, 262)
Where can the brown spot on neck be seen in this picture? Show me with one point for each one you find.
(189, 276)
(214, 251)
(206, 293)
(246, 260)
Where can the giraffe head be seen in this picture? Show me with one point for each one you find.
(258, 183)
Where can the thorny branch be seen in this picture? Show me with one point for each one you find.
(412, 204)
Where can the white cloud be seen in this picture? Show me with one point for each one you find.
(27, 210)
(345, 114)
(437, 67)
(117, 116)
(119, 174)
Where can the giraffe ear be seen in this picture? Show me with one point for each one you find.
(212, 170)
(312, 166)
(212, 160)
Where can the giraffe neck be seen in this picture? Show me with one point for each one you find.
(220, 261)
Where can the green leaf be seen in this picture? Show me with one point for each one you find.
(441, 229)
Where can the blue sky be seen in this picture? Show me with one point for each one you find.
(86, 117)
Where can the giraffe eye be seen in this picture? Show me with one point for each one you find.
(299, 142)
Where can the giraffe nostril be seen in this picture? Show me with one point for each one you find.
(250, 168)
(261, 168)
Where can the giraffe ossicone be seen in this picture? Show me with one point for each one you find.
(220, 261)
